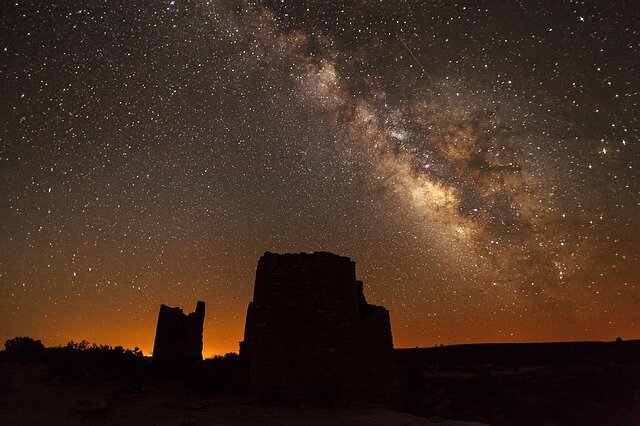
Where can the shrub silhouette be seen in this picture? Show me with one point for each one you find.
(82, 360)
(222, 374)
(23, 349)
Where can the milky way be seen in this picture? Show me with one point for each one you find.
(478, 161)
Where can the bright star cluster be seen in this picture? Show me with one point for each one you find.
(478, 160)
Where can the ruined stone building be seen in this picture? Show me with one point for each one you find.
(310, 333)
(178, 340)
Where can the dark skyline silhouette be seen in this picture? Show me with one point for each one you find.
(478, 158)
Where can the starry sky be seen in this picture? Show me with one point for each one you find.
(479, 160)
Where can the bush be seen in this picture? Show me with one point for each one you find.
(23, 349)
(222, 374)
(82, 360)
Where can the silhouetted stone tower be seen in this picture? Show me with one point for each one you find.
(178, 342)
(311, 335)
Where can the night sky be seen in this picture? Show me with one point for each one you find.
(479, 160)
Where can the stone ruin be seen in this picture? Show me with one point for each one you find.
(311, 336)
(178, 342)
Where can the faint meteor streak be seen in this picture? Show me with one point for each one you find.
(424, 71)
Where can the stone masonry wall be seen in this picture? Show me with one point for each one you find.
(310, 331)
(178, 341)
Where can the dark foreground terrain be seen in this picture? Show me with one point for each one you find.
(578, 383)
(89, 384)
(29, 396)
(588, 383)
